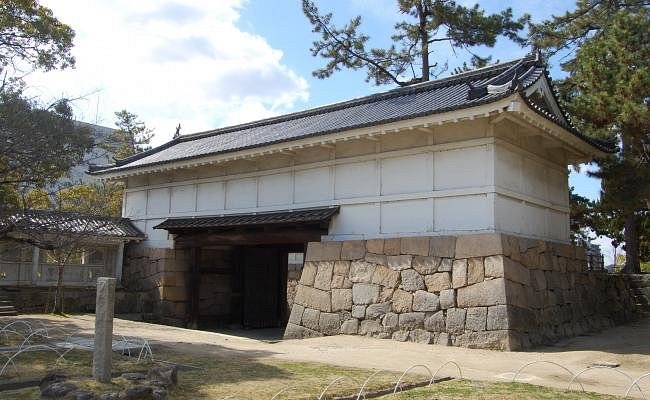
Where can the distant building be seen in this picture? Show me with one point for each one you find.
(96, 155)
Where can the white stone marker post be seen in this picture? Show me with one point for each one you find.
(103, 350)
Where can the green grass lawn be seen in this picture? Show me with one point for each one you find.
(249, 376)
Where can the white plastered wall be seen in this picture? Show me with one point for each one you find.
(450, 179)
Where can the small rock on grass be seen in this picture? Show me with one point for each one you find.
(134, 376)
(57, 390)
(51, 378)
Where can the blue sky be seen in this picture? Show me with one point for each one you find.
(206, 64)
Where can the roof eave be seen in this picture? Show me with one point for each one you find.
(583, 150)
(373, 131)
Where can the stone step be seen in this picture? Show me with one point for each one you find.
(11, 313)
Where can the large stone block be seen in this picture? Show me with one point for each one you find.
(442, 246)
(412, 281)
(500, 266)
(310, 319)
(497, 318)
(399, 263)
(482, 294)
(329, 323)
(365, 293)
(392, 247)
(481, 245)
(417, 246)
(390, 320)
(373, 258)
(323, 279)
(438, 281)
(516, 294)
(308, 274)
(296, 314)
(323, 251)
(377, 310)
(369, 327)
(386, 294)
(538, 279)
(475, 270)
(359, 311)
(342, 268)
(436, 322)
(447, 299)
(443, 339)
(353, 249)
(426, 265)
(293, 331)
(375, 246)
(361, 272)
(341, 299)
(385, 276)
(411, 320)
(459, 274)
(402, 301)
(350, 326)
(313, 298)
(425, 301)
(400, 336)
(420, 336)
(446, 265)
(455, 320)
(476, 318)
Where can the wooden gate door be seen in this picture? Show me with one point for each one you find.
(261, 288)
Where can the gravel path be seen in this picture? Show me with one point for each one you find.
(627, 345)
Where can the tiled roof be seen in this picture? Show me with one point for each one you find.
(41, 221)
(305, 215)
(460, 91)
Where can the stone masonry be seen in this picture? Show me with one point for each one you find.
(159, 277)
(481, 291)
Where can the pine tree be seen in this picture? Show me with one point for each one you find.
(412, 57)
(606, 93)
(131, 136)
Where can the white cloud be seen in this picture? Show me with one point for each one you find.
(182, 61)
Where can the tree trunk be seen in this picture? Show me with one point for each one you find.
(424, 37)
(632, 265)
(58, 295)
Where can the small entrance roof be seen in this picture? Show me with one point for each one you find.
(69, 223)
(284, 217)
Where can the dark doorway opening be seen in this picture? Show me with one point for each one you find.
(241, 275)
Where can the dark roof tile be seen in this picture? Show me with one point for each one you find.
(455, 92)
(305, 215)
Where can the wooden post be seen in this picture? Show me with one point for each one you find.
(103, 349)
(35, 263)
(119, 260)
(195, 283)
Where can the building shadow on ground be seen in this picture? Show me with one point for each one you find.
(629, 338)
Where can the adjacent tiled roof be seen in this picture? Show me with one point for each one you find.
(40, 221)
(460, 91)
(305, 215)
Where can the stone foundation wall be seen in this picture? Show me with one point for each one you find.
(31, 299)
(159, 277)
(481, 291)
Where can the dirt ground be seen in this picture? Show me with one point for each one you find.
(627, 345)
